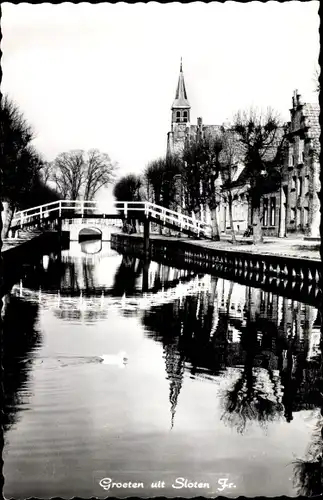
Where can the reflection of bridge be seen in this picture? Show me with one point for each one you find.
(142, 211)
(80, 302)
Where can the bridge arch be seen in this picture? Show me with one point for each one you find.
(81, 227)
(89, 233)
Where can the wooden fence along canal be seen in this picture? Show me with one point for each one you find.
(299, 279)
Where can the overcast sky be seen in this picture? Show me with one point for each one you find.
(105, 75)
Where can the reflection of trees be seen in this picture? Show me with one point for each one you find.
(308, 472)
(276, 336)
(48, 279)
(299, 374)
(189, 323)
(20, 338)
(126, 276)
(255, 396)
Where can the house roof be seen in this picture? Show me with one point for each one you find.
(311, 113)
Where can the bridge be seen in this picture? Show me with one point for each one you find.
(142, 211)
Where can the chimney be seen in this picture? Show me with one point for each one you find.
(295, 99)
(199, 123)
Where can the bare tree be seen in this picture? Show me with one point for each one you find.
(316, 79)
(68, 173)
(80, 175)
(46, 172)
(263, 139)
(201, 171)
(99, 172)
(228, 162)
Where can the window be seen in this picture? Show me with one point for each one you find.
(306, 213)
(306, 182)
(178, 116)
(290, 157)
(300, 186)
(293, 188)
(185, 116)
(299, 216)
(272, 211)
(301, 151)
(292, 215)
(265, 212)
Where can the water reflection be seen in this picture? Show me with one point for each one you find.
(268, 340)
(20, 341)
(91, 247)
(308, 477)
(257, 356)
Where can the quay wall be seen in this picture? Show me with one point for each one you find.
(298, 278)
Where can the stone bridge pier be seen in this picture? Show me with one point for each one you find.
(91, 228)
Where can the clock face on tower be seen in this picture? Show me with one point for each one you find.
(181, 127)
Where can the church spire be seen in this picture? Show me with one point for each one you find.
(181, 100)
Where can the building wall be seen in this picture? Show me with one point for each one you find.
(302, 170)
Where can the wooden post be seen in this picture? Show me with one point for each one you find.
(145, 276)
(59, 233)
(146, 237)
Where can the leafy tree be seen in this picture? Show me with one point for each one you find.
(154, 177)
(20, 163)
(263, 139)
(160, 176)
(128, 188)
(16, 135)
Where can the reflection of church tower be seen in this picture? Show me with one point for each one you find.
(180, 117)
(175, 374)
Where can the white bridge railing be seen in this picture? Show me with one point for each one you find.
(66, 208)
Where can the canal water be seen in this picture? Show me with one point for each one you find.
(126, 378)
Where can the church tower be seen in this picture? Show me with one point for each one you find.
(180, 117)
